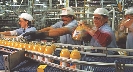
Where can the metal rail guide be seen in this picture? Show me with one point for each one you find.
(119, 67)
(12, 60)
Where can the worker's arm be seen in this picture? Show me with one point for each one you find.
(50, 33)
(45, 29)
(58, 32)
(7, 33)
(126, 24)
(10, 36)
(103, 38)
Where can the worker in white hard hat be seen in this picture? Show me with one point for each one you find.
(63, 28)
(25, 22)
(127, 22)
(102, 34)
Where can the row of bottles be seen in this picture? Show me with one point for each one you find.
(74, 55)
(44, 48)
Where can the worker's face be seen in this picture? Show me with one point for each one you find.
(128, 17)
(99, 20)
(66, 19)
(23, 23)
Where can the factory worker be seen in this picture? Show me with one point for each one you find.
(63, 28)
(102, 34)
(127, 22)
(25, 22)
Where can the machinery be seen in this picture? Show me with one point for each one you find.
(46, 12)
(21, 59)
(19, 55)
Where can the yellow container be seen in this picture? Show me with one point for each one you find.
(41, 48)
(16, 44)
(9, 42)
(48, 50)
(35, 47)
(41, 68)
(53, 46)
(75, 55)
(5, 43)
(20, 45)
(30, 46)
(78, 33)
(0, 42)
(12, 43)
(25, 46)
(65, 53)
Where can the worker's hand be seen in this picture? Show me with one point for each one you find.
(84, 26)
(35, 35)
(1, 35)
(127, 23)
(19, 38)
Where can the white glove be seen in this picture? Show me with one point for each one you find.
(19, 38)
(1, 36)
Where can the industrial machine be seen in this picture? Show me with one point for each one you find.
(19, 55)
(14, 58)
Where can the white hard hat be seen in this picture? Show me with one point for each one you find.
(67, 11)
(26, 16)
(129, 11)
(101, 11)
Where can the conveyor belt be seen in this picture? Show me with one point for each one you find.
(106, 60)
(1, 62)
(29, 65)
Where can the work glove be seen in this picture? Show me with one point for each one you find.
(19, 38)
(36, 35)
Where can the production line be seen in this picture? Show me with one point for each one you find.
(66, 36)
(16, 58)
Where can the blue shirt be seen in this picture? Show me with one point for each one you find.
(129, 42)
(105, 29)
(22, 31)
(67, 38)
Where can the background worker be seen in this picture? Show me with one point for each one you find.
(25, 22)
(63, 28)
(127, 22)
(102, 34)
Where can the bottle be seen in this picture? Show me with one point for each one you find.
(25, 45)
(78, 33)
(41, 50)
(123, 53)
(29, 48)
(20, 45)
(75, 55)
(53, 45)
(48, 50)
(65, 53)
(35, 48)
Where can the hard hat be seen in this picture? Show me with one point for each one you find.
(101, 11)
(129, 11)
(67, 11)
(26, 16)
